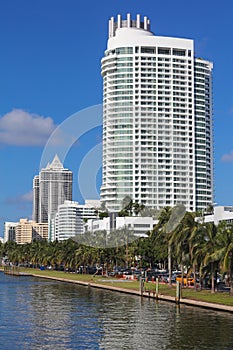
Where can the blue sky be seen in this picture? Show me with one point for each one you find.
(50, 69)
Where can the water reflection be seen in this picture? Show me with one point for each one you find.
(41, 314)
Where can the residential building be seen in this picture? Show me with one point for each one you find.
(70, 219)
(26, 231)
(9, 231)
(50, 189)
(157, 119)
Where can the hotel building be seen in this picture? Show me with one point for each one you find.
(25, 231)
(157, 119)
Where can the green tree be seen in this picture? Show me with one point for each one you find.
(211, 256)
(224, 250)
(197, 251)
(179, 239)
(160, 233)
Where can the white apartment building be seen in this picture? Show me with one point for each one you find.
(70, 219)
(157, 119)
(9, 231)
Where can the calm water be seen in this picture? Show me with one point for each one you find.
(40, 314)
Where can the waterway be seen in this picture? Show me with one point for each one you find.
(42, 314)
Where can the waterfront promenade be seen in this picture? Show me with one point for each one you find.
(150, 293)
(189, 297)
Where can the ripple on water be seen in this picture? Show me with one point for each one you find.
(39, 314)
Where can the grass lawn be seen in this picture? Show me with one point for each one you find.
(204, 295)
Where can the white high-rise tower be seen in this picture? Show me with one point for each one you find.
(50, 189)
(157, 119)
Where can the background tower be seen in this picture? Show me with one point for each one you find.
(51, 188)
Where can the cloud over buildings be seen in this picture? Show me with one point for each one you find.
(20, 199)
(19, 206)
(227, 158)
(20, 128)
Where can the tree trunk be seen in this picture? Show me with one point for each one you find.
(127, 254)
(194, 277)
(230, 277)
(182, 276)
(231, 287)
(212, 278)
(169, 264)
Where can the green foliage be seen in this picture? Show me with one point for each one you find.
(103, 214)
(129, 207)
(199, 247)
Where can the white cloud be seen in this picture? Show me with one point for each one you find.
(20, 128)
(20, 199)
(27, 197)
(227, 157)
(21, 202)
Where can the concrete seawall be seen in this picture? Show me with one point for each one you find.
(147, 294)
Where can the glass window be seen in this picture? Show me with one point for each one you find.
(124, 50)
(148, 50)
(164, 51)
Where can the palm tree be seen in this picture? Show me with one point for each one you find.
(180, 240)
(224, 250)
(87, 255)
(197, 249)
(211, 257)
(138, 208)
(127, 207)
(160, 232)
(14, 253)
(9, 248)
(145, 249)
(1, 249)
(172, 219)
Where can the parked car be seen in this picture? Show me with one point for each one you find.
(187, 280)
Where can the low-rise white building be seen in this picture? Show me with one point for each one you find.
(221, 213)
(140, 226)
